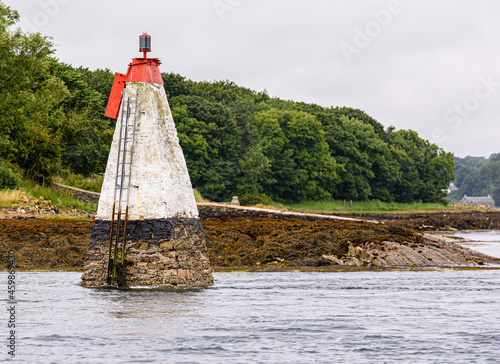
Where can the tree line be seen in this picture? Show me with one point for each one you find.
(236, 141)
(477, 176)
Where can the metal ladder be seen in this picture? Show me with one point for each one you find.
(122, 185)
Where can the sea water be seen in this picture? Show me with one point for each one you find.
(450, 316)
(487, 242)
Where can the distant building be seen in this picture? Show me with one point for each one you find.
(478, 201)
(452, 188)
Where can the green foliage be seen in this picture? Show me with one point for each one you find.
(252, 200)
(92, 183)
(351, 113)
(477, 176)
(292, 151)
(209, 137)
(47, 108)
(363, 207)
(29, 99)
(255, 172)
(473, 162)
(100, 82)
(10, 176)
(80, 96)
(62, 199)
(369, 169)
(86, 142)
(426, 169)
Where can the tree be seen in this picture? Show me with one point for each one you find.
(209, 137)
(81, 96)
(85, 141)
(29, 99)
(426, 169)
(301, 165)
(100, 81)
(370, 170)
(255, 172)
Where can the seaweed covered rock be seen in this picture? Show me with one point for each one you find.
(296, 243)
(243, 242)
(45, 244)
(260, 243)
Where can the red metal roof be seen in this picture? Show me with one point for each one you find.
(144, 70)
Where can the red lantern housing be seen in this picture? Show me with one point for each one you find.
(140, 70)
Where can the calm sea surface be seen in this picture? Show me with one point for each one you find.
(366, 317)
(487, 242)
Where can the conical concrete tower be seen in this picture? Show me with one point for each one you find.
(147, 231)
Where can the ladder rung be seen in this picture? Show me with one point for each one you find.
(125, 145)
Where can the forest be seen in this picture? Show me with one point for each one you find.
(477, 176)
(236, 141)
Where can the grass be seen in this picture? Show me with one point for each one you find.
(198, 197)
(370, 207)
(92, 183)
(62, 200)
(9, 197)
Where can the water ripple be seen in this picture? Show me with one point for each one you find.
(361, 317)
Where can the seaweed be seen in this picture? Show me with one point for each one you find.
(239, 242)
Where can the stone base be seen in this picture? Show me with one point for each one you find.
(162, 252)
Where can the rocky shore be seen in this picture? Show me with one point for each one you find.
(270, 243)
(331, 245)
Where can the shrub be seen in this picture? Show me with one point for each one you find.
(251, 199)
(10, 176)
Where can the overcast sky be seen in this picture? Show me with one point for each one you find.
(430, 66)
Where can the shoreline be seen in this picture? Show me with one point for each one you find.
(269, 244)
(286, 270)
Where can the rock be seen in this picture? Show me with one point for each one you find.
(355, 251)
(311, 262)
(24, 217)
(379, 262)
(366, 255)
(439, 256)
(394, 260)
(415, 259)
(333, 259)
(352, 261)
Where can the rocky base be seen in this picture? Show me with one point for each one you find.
(166, 252)
(430, 251)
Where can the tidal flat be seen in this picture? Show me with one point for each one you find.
(273, 244)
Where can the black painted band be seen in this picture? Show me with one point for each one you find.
(153, 231)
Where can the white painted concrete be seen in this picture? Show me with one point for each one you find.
(162, 188)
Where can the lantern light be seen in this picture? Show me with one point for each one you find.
(145, 43)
